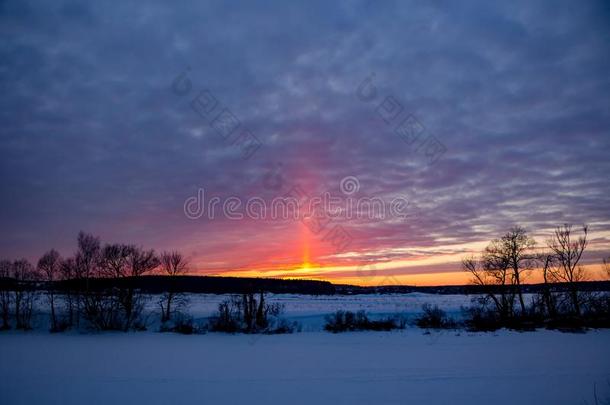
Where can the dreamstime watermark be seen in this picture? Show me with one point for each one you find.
(297, 205)
(407, 128)
(322, 214)
(219, 117)
(318, 221)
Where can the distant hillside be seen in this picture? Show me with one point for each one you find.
(209, 285)
(239, 285)
(463, 289)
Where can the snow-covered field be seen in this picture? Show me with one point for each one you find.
(403, 367)
(309, 311)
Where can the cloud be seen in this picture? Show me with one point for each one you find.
(94, 138)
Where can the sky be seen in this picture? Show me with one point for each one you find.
(466, 118)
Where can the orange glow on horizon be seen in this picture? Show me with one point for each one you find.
(304, 255)
(348, 275)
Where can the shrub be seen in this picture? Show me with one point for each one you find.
(345, 321)
(481, 319)
(228, 318)
(595, 314)
(180, 323)
(485, 319)
(247, 314)
(434, 318)
(597, 311)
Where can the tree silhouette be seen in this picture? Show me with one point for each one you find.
(173, 264)
(49, 266)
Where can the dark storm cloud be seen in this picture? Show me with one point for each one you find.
(94, 138)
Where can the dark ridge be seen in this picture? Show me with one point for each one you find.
(205, 284)
(240, 285)
(467, 289)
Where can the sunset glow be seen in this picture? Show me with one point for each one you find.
(305, 202)
(414, 162)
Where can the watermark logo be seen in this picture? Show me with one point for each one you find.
(349, 185)
(314, 211)
(193, 206)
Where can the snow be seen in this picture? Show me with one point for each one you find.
(309, 310)
(303, 305)
(399, 367)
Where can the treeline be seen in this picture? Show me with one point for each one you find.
(561, 302)
(469, 289)
(117, 306)
(104, 287)
(157, 284)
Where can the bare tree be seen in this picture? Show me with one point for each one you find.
(88, 254)
(117, 303)
(114, 260)
(87, 265)
(513, 251)
(140, 262)
(606, 267)
(103, 303)
(497, 267)
(568, 252)
(173, 265)
(493, 278)
(49, 266)
(69, 275)
(6, 268)
(548, 262)
(25, 294)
